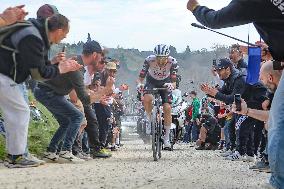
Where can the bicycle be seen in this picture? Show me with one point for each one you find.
(156, 123)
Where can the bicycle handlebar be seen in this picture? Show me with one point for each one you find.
(154, 90)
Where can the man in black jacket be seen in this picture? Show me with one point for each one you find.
(32, 44)
(266, 15)
(234, 83)
(268, 18)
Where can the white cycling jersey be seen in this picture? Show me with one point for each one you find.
(152, 69)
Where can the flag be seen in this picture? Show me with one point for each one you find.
(254, 61)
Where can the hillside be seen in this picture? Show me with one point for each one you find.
(194, 65)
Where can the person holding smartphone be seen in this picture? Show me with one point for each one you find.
(234, 83)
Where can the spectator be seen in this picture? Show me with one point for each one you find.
(270, 79)
(103, 109)
(195, 113)
(46, 11)
(91, 53)
(234, 83)
(52, 95)
(270, 27)
(12, 15)
(236, 56)
(209, 132)
(31, 61)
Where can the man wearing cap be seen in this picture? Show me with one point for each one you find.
(93, 52)
(233, 82)
(51, 95)
(103, 109)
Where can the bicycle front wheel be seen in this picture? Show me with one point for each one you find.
(155, 140)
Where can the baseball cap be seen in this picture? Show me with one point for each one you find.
(223, 63)
(46, 11)
(91, 47)
(111, 66)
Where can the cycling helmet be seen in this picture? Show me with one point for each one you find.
(162, 50)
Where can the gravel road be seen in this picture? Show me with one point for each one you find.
(133, 167)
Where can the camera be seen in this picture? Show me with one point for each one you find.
(238, 102)
(277, 65)
(97, 77)
(63, 48)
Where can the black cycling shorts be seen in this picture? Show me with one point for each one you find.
(165, 95)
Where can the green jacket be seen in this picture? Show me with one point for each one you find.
(195, 108)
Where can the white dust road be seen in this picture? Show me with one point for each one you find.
(133, 167)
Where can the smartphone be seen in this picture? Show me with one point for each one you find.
(238, 102)
(63, 48)
(214, 63)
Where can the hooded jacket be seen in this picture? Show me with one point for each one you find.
(33, 55)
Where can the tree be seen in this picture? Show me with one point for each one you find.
(89, 37)
(173, 51)
(187, 50)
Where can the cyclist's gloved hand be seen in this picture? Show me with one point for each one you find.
(140, 87)
(169, 86)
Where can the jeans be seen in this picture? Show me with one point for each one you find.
(103, 115)
(67, 115)
(232, 133)
(258, 127)
(194, 132)
(227, 133)
(85, 143)
(92, 128)
(24, 91)
(245, 137)
(81, 143)
(276, 137)
(187, 137)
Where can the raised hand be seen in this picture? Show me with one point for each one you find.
(68, 66)
(191, 4)
(13, 14)
(59, 58)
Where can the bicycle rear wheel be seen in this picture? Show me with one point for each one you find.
(159, 138)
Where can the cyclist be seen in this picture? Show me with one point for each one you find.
(160, 71)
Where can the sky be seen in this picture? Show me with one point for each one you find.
(139, 24)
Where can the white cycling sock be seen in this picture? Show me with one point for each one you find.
(117, 140)
(167, 132)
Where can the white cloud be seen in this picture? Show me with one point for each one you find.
(137, 23)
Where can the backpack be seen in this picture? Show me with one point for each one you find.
(16, 32)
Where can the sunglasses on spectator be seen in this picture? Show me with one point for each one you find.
(113, 71)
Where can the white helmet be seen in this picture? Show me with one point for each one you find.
(162, 50)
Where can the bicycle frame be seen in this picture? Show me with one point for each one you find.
(156, 124)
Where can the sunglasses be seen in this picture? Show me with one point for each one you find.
(162, 58)
(113, 71)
